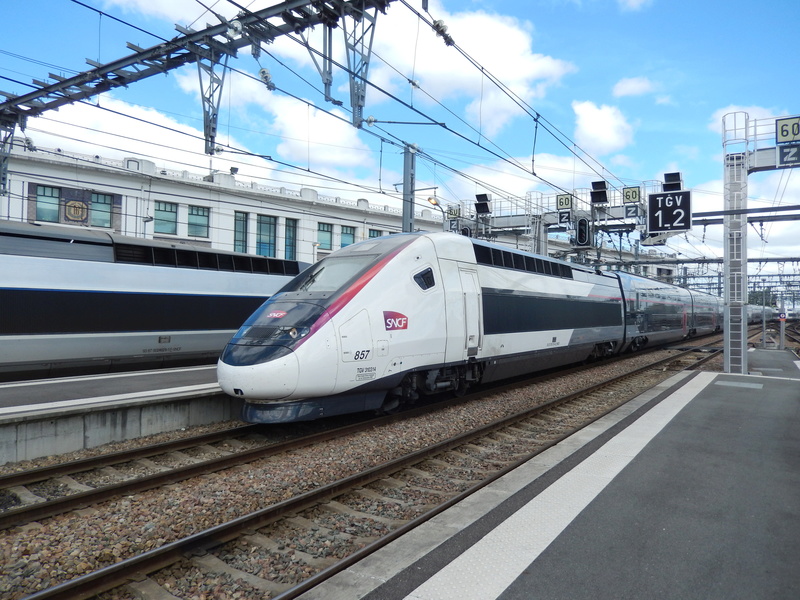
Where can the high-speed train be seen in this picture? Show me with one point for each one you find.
(760, 314)
(391, 319)
(75, 300)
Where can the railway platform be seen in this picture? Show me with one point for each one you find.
(49, 394)
(689, 491)
(53, 416)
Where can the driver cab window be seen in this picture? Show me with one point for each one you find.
(425, 279)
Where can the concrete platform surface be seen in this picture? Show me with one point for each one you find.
(690, 491)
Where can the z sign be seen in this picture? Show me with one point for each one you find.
(788, 156)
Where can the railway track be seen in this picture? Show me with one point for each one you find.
(288, 546)
(47, 491)
(792, 332)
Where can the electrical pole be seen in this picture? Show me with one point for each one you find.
(409, 182)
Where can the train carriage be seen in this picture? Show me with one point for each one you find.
(77, 300)
(391, 319)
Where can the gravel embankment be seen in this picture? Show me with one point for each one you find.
(40, 555)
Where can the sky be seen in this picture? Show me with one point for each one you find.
(533, 96)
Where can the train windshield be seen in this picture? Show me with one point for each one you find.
(330, 274)
(271, 332)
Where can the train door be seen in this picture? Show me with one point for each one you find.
(472, 311)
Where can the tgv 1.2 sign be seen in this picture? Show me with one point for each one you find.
(669, 211)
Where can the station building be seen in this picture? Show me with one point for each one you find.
(134, 197)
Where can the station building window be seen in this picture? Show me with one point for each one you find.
(198, 221)
(47, 203)
(348, 235)
(375, 233)
(100, 210)
(166, 218)
(240, 232)
(290, 251)
(325, 236)
(266, 235)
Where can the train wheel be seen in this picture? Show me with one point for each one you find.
(462, 385)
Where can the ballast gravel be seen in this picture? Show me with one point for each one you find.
(42, 554)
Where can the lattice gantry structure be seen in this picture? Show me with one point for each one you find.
(750, 145)
(210, 49)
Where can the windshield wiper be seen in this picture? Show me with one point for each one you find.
(311, 279)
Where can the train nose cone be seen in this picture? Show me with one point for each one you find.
(273, 380)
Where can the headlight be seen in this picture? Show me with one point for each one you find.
(292, 332)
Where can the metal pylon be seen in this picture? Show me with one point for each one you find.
(211, 90)
(6, 138)
(358, 27)
(358, 41)
(736, 146)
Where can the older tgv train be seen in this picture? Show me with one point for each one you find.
(75, 300)
(390, 319)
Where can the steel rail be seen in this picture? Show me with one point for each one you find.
(78, 500)
(128, 569)
(96, 462)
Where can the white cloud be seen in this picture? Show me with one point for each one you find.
(774, 188)
(308, 136)
(602, 129)
(413, 50)
(707, 196)
(753, 112)
(314, 138)
(564, 171)
(174, 146)
(633, 86)
(623, 160)
(127, 131)
(687, 153)
(183, 12)
(633, 5)
(767, 189)
(417, 53)
(503, 179)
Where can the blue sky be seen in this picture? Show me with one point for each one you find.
(637, 87)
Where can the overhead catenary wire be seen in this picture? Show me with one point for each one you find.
(395, 141)
(430, 151)
(383, 91)
(557, 134)
(407, 105)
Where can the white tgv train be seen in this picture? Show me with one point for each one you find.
(390, 319)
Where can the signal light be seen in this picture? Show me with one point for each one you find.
(599, 193)
(482, 206)
(583, 232)
(673, 182)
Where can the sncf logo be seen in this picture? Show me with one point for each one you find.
(394, 320)
(276, 314)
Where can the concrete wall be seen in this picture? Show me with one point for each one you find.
(30, 436)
